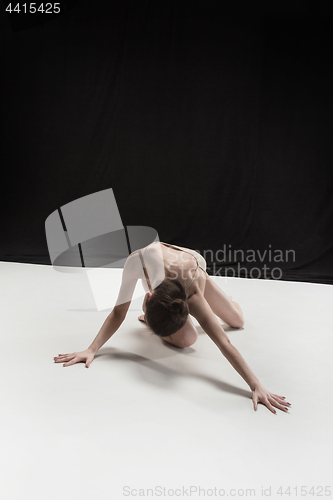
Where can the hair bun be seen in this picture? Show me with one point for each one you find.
(177, 307)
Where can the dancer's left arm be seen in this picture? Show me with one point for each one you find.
(200, 309)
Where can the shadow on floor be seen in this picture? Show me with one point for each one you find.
(169, 374)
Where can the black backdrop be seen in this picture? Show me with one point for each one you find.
(211, 121)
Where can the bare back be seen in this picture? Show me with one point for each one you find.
(177, 264)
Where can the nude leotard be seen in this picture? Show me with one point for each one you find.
(199, 258)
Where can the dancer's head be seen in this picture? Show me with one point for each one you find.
(166, 309)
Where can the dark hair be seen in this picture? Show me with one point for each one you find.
(167, 309)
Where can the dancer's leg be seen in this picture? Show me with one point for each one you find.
(185, 337)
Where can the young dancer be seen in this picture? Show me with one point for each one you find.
(177, 286)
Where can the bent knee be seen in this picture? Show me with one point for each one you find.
(237, 323)
(185, 340)
(188, 341)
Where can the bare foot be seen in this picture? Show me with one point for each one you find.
(142, 318)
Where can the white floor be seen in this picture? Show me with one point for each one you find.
(146, 416)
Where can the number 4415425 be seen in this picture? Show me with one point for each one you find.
(32, 7)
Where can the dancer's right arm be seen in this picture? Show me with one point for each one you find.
(131, 273)
(109, 327)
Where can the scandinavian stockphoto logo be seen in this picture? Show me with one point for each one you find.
(255, 262)
(87, 235)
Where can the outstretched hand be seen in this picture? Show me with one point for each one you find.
(75, 357)
(261, 395)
